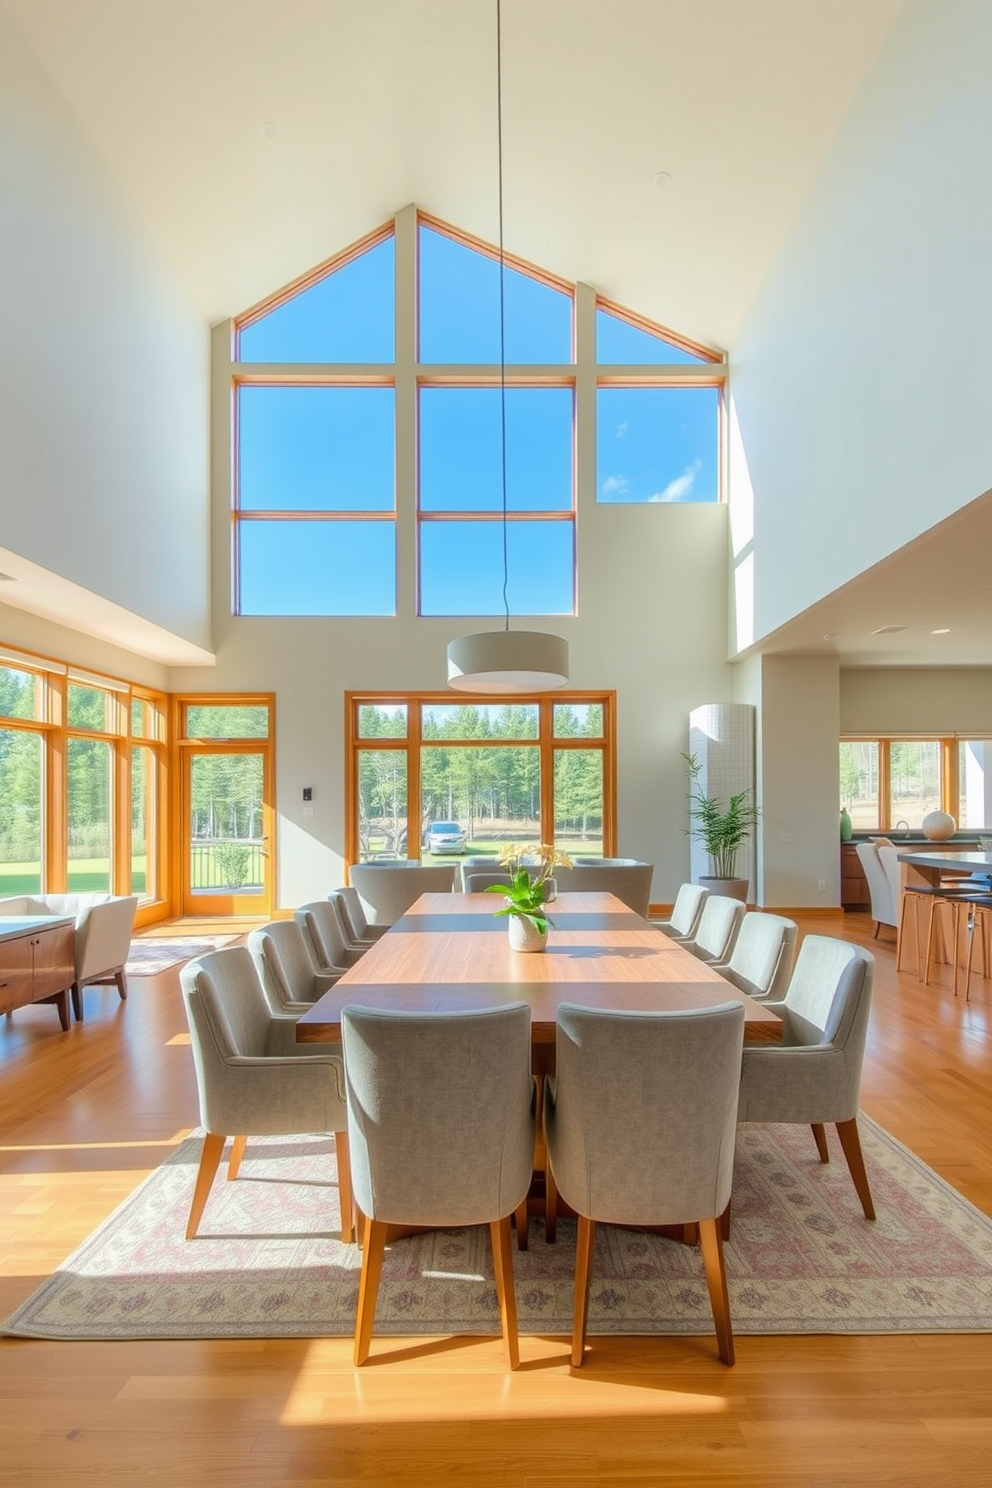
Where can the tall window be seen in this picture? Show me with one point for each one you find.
(432, 778)
(371, 397)
(82, 770)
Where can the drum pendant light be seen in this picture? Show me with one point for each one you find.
(506, 661)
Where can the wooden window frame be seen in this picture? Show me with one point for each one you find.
(546, 742)
(949, 773)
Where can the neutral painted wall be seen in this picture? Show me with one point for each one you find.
(797, 769)
(44, 638)
(860, 380)
(104, 414)
(930, 701)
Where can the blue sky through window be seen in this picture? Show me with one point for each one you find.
(307, 449)
(657, 444)
(459, 308)
(348, 316)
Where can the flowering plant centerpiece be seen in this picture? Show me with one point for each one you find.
(530, 870)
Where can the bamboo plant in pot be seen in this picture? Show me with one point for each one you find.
(723, 831)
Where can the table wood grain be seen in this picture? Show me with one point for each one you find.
(449, 953)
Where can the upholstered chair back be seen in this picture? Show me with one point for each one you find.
(387, 890)
(718, 927)
(285, 965)
(686, 912)
(440, 1118)
(642, 1114)
(321, 925)
(763, 955)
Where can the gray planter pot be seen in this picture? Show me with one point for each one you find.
(731, 888)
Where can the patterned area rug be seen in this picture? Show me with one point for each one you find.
(148, 956)
(268, 1264)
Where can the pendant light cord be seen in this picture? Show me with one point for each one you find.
(502, 306)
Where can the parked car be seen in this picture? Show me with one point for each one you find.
(445, 837)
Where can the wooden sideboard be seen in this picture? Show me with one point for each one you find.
(853, 884)
(37, 962)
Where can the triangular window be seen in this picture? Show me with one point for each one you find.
(459, 307)
(345, 315)
(619, 340)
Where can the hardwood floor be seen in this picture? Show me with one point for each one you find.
(85, 1115)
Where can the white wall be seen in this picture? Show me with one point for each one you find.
(860, 381)
(104, 414)
(797, 769)
(931, 701)
(54, 642)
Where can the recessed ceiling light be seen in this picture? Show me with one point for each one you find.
(270, 129)
(945, 630)
(663, 178)
(890, 630)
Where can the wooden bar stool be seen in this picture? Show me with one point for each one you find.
(981, 924)
(954, 898)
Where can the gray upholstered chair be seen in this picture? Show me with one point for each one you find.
(251, 1078)
(488, 862)
(355, 945)
(477, 880)
(360, 931)
(640, 1121)
(883, 900)
(286, 968)
(321, 925)
(441, 1131)
(763, 955)
(814, 1075)
(387, 890)
(688, 906)
(627, 878)
(718, 928)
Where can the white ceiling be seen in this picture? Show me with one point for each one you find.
(253, 138)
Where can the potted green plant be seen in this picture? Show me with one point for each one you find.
(722, 830)
(528, 892)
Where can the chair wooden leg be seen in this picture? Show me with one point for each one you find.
(522, 1223)
(550, 1205)
(585, 1240)
(711, 1244)
(499, 1233)
(907, 900)
(368, 1288)
(878, 926)
(851, 1143)
(234, 1161)
(77, 1001)
(725, 1223)
(345, 1196)
(121, 981)
(820, 1138)
(213, 1147)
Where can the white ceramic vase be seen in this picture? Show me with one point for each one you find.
(524, 934)
(938, 826)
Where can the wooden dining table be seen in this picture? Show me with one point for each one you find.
(450, 953)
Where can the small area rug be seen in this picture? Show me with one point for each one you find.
(268, 1263)
(150, 955)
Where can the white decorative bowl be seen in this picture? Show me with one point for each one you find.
(938, 826)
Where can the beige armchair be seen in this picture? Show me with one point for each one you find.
(640, 1122)
(102, 936)
(250, 1078)
(320, 924)
(763, 954)
(686, 911)
(718, 928)
(627, 878)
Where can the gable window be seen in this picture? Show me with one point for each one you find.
(375, 410)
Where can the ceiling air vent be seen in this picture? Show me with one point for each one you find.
(890, 630)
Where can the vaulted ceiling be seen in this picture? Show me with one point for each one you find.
(253, 138)
(250, 139)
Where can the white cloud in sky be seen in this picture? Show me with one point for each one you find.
(679, 488)
(615, 486)
(622, 429)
